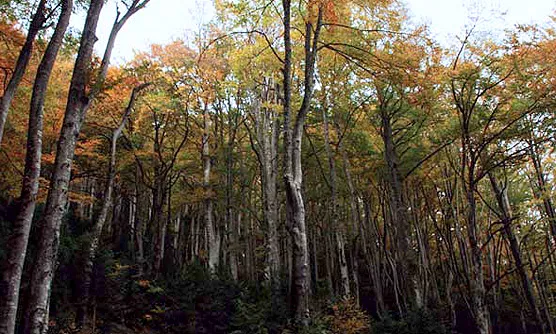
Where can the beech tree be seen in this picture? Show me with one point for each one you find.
(35, 26)
(11, 280)
(79, 101)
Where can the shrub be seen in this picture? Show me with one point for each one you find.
(416, 322)
(348, 318)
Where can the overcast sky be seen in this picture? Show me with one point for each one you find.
(165, 20)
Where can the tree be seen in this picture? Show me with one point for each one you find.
(36, 25)
(79, 101)
(11, 279)
(293, 173)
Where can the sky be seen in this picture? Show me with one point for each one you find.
(165, 20)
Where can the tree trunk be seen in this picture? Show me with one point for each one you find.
(354, 208)
(158, 220)
(406, 263)
(338, 230)
(477, 287)
(507, 219)
(11, 276)
(267, 132)
(36, 313)
(79, 100)
(141, 216)
(25, 53)
(212, 232)
(293, 173)
(541, 191)
(373, 259)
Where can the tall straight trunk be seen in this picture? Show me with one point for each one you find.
(315, 269)
(25, 53)
(92, 187)
(267, 132)
(229, 223)
(406, 262)
(79, 101)
(373, 259)
(338, 230)
(212, 231)
(355, 269)
(87, 270)
(234, 241)
(158, 219)
(477, 287)
(271, 203)
(507, 217)
(141, 216)
(132, 215)
(231, 240)
(11, 276)
(185, 221)
(293, 173)
(354, 208)
(329, 262)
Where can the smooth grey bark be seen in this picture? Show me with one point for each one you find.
(25, 53)
(87, 270)
(36, 313)
(212, 231)
(293, 173)
(17, 243)
(230, 124)
(266, 148)
(230, 240)
(79, 101)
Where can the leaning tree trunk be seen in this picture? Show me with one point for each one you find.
(87, 270)
(11, 276)
(36, 313)
(36, 25)
(541, 191)
(79, 100)
(507, 218)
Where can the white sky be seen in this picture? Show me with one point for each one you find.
(165, 20)
(449, 18)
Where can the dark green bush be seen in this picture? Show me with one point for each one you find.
(416, 322)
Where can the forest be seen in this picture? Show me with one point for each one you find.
(300, 166)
